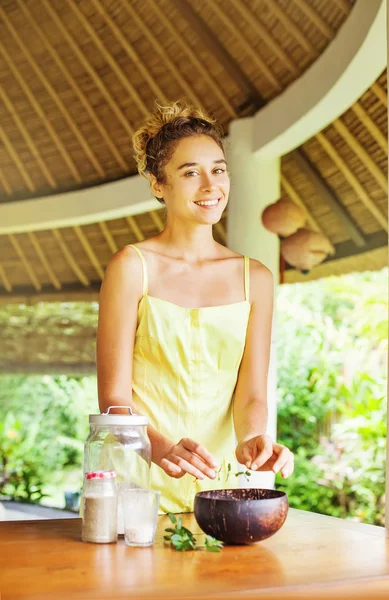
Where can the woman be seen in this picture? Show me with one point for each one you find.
(185, 323)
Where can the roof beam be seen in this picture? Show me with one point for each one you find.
(153, 41)
(14, 156)
(224, 100)
(315, 18)
(349, 65)
(4, 279)
(291, 26)
(38, 249)
(90, 70)
(363, 156)
(353, 181)
(329, 196)
(74, 85)
(343, 5)
(122, 77)
(133, 55)
(28, 139)
(39, 111)
(135, 229)
(70, 258)
(113, 200)
(89, 250)
(380, 93)
(7, 188)
(108, 237)
(294, 196)
(370, 125)
(252, 52)
(54, 96)
(265, 35)
(216, 49)
(157, 220)
(26, 263)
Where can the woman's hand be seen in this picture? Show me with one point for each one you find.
(188, 457)
(260, 453)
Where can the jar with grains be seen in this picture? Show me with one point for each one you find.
(119, 442)
(100, 507)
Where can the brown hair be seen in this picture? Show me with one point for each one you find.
(155, 141)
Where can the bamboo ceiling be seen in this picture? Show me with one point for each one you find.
(78, 76)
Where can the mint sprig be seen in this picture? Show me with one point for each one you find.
(212, 544)
(247, 474)
(181, 538)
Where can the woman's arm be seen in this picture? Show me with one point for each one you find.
(120, 294)
(118, 310)
(255, 449)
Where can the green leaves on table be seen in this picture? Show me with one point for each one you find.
(212, 544)
(181, 538)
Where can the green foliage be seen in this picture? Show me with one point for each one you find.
(48, 434)
(21, 468)
(332, 353)
(212, 545)
(227, 474)
(182, 538)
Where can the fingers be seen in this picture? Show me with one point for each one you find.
(188, 467)
(191, 463)
(246, 455)
(284, 461)
(171, 469)
(188, 457)
(264, 455)
(289, 467)
(198, 449)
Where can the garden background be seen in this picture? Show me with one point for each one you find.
(332, 342)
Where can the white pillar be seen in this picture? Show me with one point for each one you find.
(255, 183)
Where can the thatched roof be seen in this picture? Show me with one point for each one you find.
(57, 337)
(77, 78)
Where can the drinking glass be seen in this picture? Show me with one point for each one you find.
(140, 512)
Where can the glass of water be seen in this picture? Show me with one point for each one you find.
(140, 512)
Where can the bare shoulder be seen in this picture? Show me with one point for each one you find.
(124, 271)
(124, 260)
(261, 280)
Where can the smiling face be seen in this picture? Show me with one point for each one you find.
(196, 183)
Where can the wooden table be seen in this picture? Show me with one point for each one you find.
(312, 556)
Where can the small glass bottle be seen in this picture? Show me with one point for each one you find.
(100, 506)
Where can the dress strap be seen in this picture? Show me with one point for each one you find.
(144, 268)
(247, 278)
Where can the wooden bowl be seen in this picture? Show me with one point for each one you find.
(241, 516)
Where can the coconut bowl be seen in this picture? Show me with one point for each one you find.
(241, 516)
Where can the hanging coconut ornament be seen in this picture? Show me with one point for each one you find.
(305, 249)
(283, 217)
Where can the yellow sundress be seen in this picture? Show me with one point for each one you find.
(185, 368)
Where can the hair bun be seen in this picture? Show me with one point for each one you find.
(178, 111)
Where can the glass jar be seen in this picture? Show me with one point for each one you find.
(100, 508)
(119, 442)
